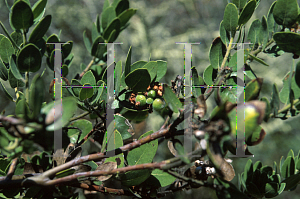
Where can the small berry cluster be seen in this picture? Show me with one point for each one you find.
(153, 97)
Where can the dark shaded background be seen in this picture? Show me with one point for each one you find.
(153, 31)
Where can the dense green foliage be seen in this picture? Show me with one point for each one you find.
(27, 168)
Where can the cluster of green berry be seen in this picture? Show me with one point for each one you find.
(157, 103)
(152, 96)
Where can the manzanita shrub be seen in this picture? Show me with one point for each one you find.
(30, 166)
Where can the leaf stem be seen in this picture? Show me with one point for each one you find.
(227, 53)
(286, 108)
(87, 68)
(27, 86)
(24, 38)
(79, 116)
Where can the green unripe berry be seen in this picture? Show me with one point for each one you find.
(152, 94)
(149, 100)
(158, 104)
(141, 99)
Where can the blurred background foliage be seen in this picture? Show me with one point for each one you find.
(152, 33)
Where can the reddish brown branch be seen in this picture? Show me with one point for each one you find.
(45, 178)
(67, 179)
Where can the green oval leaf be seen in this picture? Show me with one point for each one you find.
(224, 34)
(216, 53)
(138, 80)
(123, 126)
(138, 64)
(64, 70)
(254, 112)
(161, 69)
(126, 15)
(29, 59)
(113, 36)
(248, 171)
(97, 96)
(67, 48)
(86, 92)
(230, 19)
(114, 25)
(288, 41)
(288, 167)
(38, 10)
(77, 87)
(160, 178)
(84, 125)
(254, 32)
(135, 115)
(107, 16)
(87, 42)
(133, 178)
(95, 32)
(209, 75)
(13, 81)
(6, 49)
(286, 12)
(40, 29)
(69, 107)
(6, 93)
(88, 78)
(144, 153)
(122, 6)
(17, 37)
(22, 108)
(98, 49)
(196, 82)
(247, 12)
(152, 69)
(21, 16)
(272, 26)
(51, 39)
(271, 189)
(118, 142)
(285, 91)
(264, 32)
(36, 95)
(256, 137)
(252, 89)
(291, 181)
(170, 98)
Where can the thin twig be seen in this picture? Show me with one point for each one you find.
(67, 179)
(287, 107)
(227, 53)
(87, 68)
(79, 116)
(12, 169)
